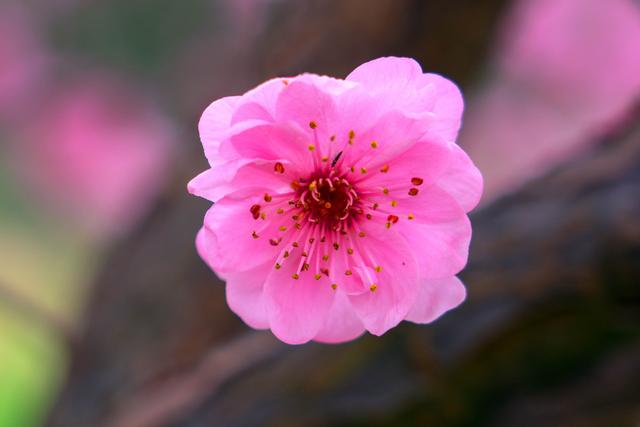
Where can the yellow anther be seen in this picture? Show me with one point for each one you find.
(373, 287)
(350, 251)
(278, 266)
(311, 147)
(410, 216)
(363, 170)
(374, 144)
(263, 215)
(334, 286)
(313, 124)
(384, 169)
(378, 269)
(327, 205)
(280, 211)
(348, 273)
(324, 159)
(385, 190)
(317, 276)
(295, 276)
(325, 257)
(394, 203)
(361, 234)
(282, 228)
(352, 134)
(285, 254)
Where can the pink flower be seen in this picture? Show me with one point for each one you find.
(340, 205)
(96, 154)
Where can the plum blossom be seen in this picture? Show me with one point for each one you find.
(339, 205)
(95, 153)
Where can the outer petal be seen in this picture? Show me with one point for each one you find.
(397, 283)
(447, 105)
(443, 247)
(297, 309)
(341, 324)
(435, 298)
(259, 103)
(245, 295)
(462, 180)
(400, 84)
(215, 121)
(390, 75)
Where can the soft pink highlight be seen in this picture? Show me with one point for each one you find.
(96, 154)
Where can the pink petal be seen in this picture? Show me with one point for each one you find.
(214, 123)
(274, 142)
(245, 295)
(297, 309)
(393, 134)
(400, 84)
(435, 297)
(432, 205)
(260, 102)
(442, 248)
(341, 324)
(397, 283)
(447, 105)
(215, 183)
(207, 246)
(426, 159)
(229, 223)
(303, 103)
(462, 180)
(389, 75)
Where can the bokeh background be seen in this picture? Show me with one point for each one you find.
(108, 318)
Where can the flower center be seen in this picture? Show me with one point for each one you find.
(327, 200)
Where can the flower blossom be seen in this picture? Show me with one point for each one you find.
(339, 205)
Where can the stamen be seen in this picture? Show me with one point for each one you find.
(278, 167)
(384, 169)
(373, 287)
(255, 211)
(374, 144)
(334, 286)
(394, 203)
(267, 197)
(413, 191)
(417, 181)
(313, 124)
(410, 216)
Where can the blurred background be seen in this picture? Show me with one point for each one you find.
(109, 318)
